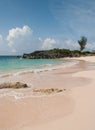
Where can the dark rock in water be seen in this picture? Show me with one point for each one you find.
(15, 85)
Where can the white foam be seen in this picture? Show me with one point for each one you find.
(46, 67)
(23, 95)
(49, 68)
(5, 75)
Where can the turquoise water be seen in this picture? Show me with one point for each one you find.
(8, 63)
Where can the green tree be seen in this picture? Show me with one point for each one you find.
(82, 42)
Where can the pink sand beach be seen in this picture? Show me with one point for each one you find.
(71, 109)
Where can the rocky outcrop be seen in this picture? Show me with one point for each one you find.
(56, 53)
(48, 91)
(15, 85)
(48, 54)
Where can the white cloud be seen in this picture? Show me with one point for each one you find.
(20, 39)
(71, 45)
(4, 49)
(1, 37)
(13, 50)
(18, 33)
(1, 42)
(90, 46)
(48, 43)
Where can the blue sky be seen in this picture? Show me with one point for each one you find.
(28, 25)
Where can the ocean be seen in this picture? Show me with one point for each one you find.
(20, 65)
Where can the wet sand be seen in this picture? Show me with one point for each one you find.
(70, 110)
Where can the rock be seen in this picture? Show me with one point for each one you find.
(15, 85)
(48, 91)
(48, 54)
(56, 53)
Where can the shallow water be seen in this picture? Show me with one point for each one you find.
(12, 65)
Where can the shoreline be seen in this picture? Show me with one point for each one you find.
(46, 67)
(57, 111)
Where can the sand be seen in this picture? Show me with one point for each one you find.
(73, 109)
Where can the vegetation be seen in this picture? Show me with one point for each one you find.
(61, 53)
(82, 42)
(56, 53)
